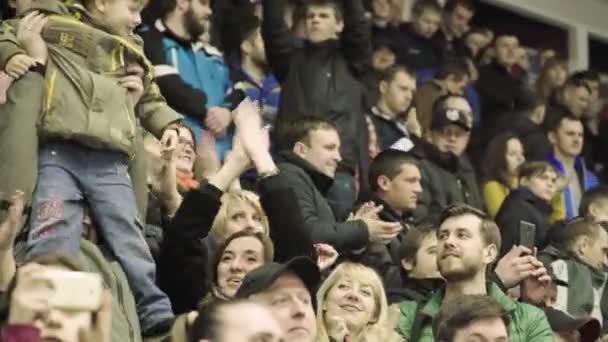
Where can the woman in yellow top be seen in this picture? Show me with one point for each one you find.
(503, 157)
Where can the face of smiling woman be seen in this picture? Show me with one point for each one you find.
(352, 300)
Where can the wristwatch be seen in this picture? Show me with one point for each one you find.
(269, 173)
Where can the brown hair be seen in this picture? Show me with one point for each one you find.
(264, 240)
(413, 239)
(495, 161)
(488, 228)
(535, 168)
(299, 130)
(426, 5)
(565, 234)
(329, 3)
(463, 311)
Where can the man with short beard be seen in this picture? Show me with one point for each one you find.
(191, 75)
(468, 241)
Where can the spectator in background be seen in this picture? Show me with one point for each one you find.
(577, 256)
(384, 56)
(526, 124)
(468, 242)
(418, 50)
(249, 70)
(504, 156)
(455, 23)
(339, 46)
(394, 181)
(308, 159)
(383, 25)
(552, 77)
(531, 202)
(566, 137)
(476, 40)
(192, 76)
(223, 322)
(351, 305)
(451, 78)
(572, 99)
(447, 174)
(594, 204)
(472, 317)
(500, 91)
(417, 255)
(592, 148)
(387, 119)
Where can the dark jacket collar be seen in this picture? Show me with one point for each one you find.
(426, 150)
(165, 30)
(538, 203)
(321, 181)
(388, 213)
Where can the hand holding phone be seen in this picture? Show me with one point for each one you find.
(527, 235)
(72, 291)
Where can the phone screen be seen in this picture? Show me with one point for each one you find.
(527, 234)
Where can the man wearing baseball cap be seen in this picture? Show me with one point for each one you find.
(567, 328)
(448, 176)
(289, 290)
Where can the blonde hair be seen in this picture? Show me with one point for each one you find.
(380, 319)
(232, 198)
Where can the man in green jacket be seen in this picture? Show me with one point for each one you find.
(467, 243)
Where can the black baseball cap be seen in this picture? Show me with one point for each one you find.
(589, 328)
(264, 276)
(450, 116)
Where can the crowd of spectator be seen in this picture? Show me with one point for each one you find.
(277, 170)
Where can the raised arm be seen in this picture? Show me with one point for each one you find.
(179, 95)
(356, 37)
(183, 262)
(278, 41)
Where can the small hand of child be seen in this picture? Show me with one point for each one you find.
(134, 86)
(18, 65)
(29, 35)
(5, 83)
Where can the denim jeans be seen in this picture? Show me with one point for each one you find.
(70, 176)
(342, 194)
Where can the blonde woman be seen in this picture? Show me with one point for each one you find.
(352, 306)
(240, 209)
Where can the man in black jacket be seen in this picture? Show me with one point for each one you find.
(531, 202)
(418, 51)
(500, 91)
(308, 160)
(321, 78)
(394, 180)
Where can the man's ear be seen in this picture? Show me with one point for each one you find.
(100, 5)
(551, 137)
(300, 149)
(581, 245)
(246, 47)
(182, 5)
(340, 26)
(489, 254)
(593, 210)
(383, 87)
(383, 182)
(407, 264)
